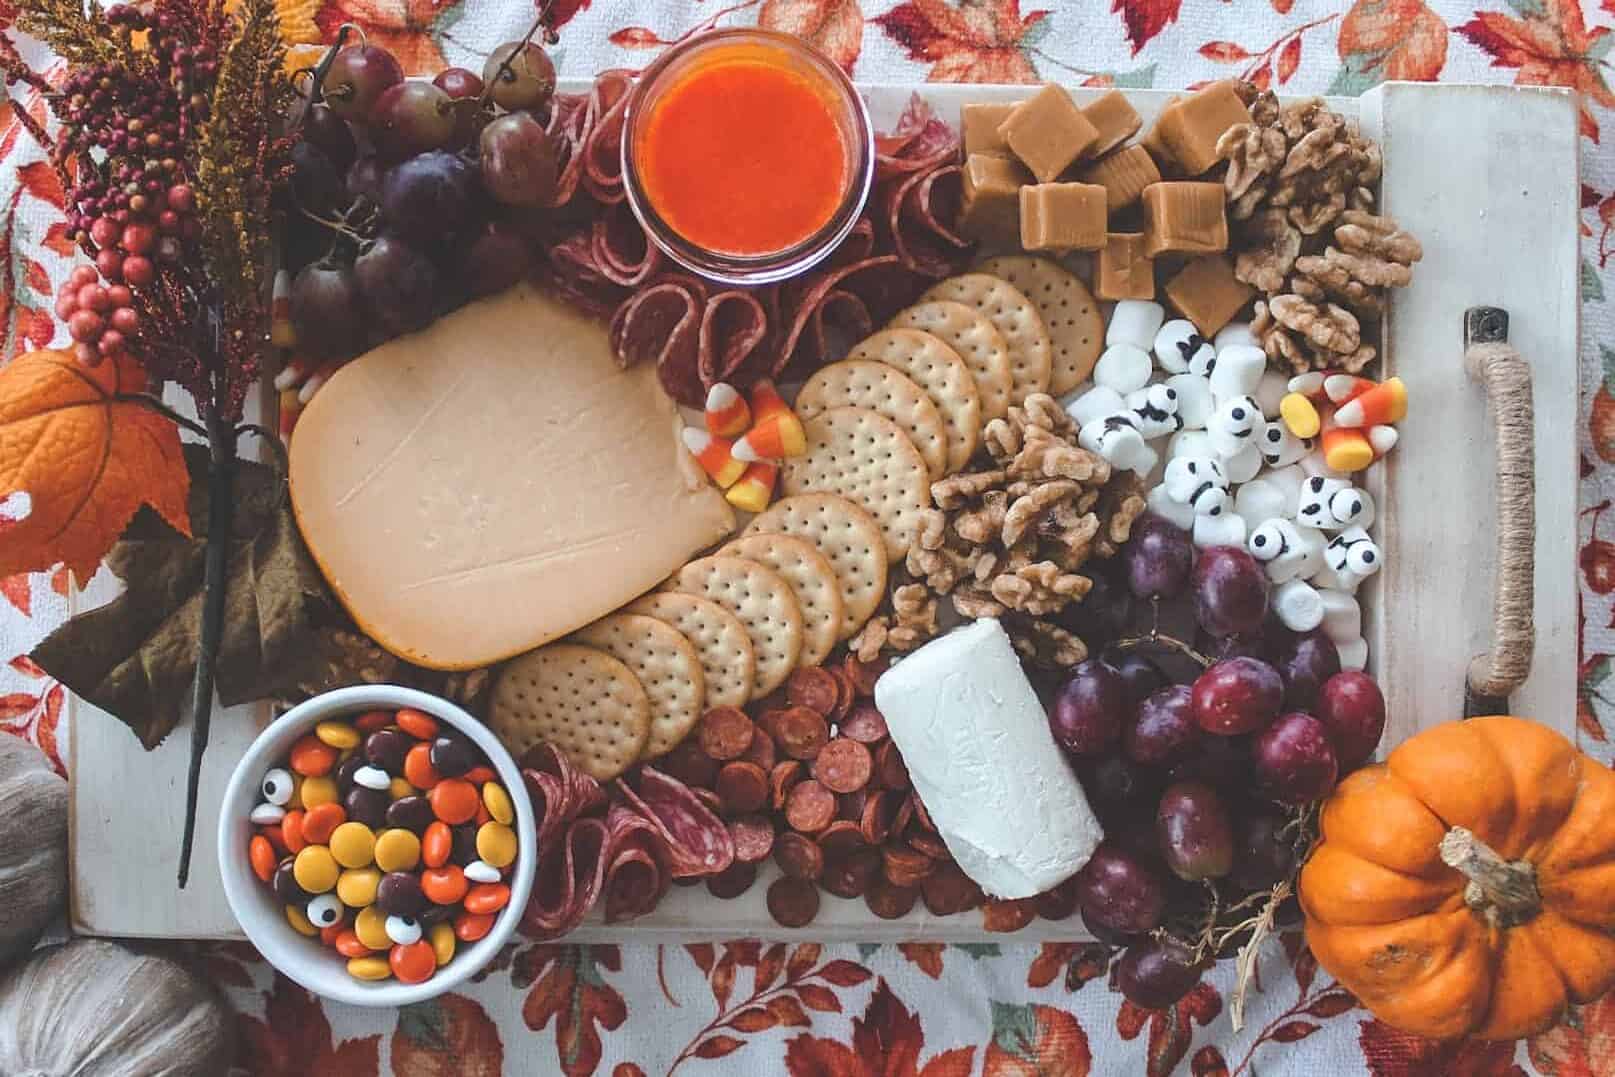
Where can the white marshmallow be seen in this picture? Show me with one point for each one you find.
(1287, 552)
(1225, 530)
(1342, 616)
(1190, 443)
(1203, 362)
(1115, 438)
(1194, 399)
(1135, 322)
(1198, 481)
(1155, 410)
(1312, 546)
(1160, 502)
(1289, 480)
(1094, 404)
(1298, 606)
(1123, 368)
(1259, 501)
(1312, 508)
(1244, 465)
(1236, 423)
(1352, 507)
(1280, 448)
(1353, 553)
(1327, 579)
(1353, 653)
(1270, 392)
(1238, 372)
(1235, 333)
(1142, 463)
(1178, 345)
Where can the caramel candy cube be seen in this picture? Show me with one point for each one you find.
(1208, 294)
(1184, 216)
(1062, 217)
(1123, 175)
(1154, 141)
(979, 122)
(991, 204)
(1124, 270)
(1190, 128)
(1047, 132)
(1114, 117)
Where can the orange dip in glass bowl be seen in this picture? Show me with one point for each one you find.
(746, 155)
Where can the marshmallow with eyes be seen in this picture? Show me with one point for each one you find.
(1179, 345)
(1123, 368)
(1116, 439)
(1235, 424)
(1289, 480)
(1202, 363)
(1135, 322)
(1312, 508)
(1199, 482)
(1160, 502)
(1194, 399)
(1280, 448)
(1095, 404)
(1238, 372)
(1351, 507)
(1225, 530)
(1285, 550)
(1298, 605)
(1352, 554)
(1155, 410)
(1243, 465)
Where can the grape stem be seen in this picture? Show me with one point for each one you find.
(1158, 639)
(317, 73)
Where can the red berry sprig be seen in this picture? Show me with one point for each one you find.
(100, 317)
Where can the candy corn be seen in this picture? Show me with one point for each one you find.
(1341, 388)
(1346, 448)
(715, 455)
(1383, 439)
(1299, 413)
(755, 488)
(1380, 405)
(727, 414)
(766, 402)
(282, 334)
(294, 372)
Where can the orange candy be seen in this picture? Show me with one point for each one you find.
(417, 724)
(453, 800)
(478, 775)
(418, 769)
(487, 898)
(483, 814)
(320, 821)
(437, 844)
(348, 944)
(330, 935)
(371, 721)
(291, 831)
(311, 757)
(414, 963)
(446, 885)
(262, 856)
(275, 837)
(469, 927)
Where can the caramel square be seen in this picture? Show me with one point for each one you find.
(1047, 132)
(1155, 145)
(1184, 216)
(1208, 294)
(990, 208)
(978, 125)
(1062, 217)
(1114, 117)
(1190, 128)
(1124, 270)
(1123, 175)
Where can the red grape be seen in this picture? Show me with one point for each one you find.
(1306, 661)
(81, 276)
(429, 195)
(529, 80)
(1230, 591)
(326, 311)
(1154, 973)
(315, 180)
(1262, 856)
(1089, 710)
(458, 83)
(125, 320)
(1163, 731)
(1237, 695)
(325, 130)
(121, 295)
(1224, 762)
(1116, 787)
(1352, 709)
(86, 353)
(181, 198)
(109, 262)
(111, 343)
(519, 162)
(1195, 832)
(410, 118)
(1159, 556)
(66, 304)
(1117, 890)
(1293, 759)
(1140, 677)
(357, 77)
(94, 297)
(399, 284)
(364, 179)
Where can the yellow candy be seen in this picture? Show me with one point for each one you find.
(371, 927)
(357, 887)
(496, 844)
(369, 968)
(339, 735)
(399, 788)
(315, 869)
(497, 801)
(353, 845)
(1300, 415)
(441, 935)
(317, 791)
(299, 922)
(397, 850)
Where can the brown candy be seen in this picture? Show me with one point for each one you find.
(1114, 117)
(1207, 293)
(1184, 216)
(1123, 175)
(1189, 129)
(978, 125)
(1048, 132)
(990, 207)
(1124, 270)
(1062, 217)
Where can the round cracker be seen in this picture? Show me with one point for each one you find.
(1015, 317)
(973, 339)
(812, 580)
(941, 375)
(867, 458)
(1069, 313)
(762, 600)
(864, 383)
(580, 699)
(728, 662)
(847, 536)
(667, 667)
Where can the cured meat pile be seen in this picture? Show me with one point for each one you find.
(625, 843)
(698, 333)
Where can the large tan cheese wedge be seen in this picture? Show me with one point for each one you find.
(494, 482)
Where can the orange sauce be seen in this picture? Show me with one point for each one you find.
(744, 156)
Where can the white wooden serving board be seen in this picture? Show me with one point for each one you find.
(1487, 177)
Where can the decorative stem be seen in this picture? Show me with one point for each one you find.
(1158, 639)
(504, 65)
(152, 402)
(1504, 891)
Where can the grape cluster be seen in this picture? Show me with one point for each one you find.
(1199, 782)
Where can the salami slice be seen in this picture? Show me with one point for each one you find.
(890, 902)
(849, 876)
(602, 151)
(559, 792)
(801, 732)
(813, 687)
(912, 206)
(864, 674)
(690, 764)
(761, 750)
(725, 732)
(661, 324)
(697, 841)
(1059, 903)
(921, 140)
(734, 325)
(781, 780)
(921, 816)
(1003, 916)
(710, 798)
(864, 724)
(799, 856)
(840, 838)
(567, 881)
(879, 810)
(635, 881)
(810, 807)
(843, 766)
(858, 245)
(948, 891)
(623, 253)
(793, 902)
(889, 764)
(733, 881)
(903, 866)
(742, 787)
(753, 836)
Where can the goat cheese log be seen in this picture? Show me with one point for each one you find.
(979, 751)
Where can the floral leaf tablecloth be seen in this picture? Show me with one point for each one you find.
(996, 1009)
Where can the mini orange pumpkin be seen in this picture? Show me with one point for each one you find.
(1466, 886)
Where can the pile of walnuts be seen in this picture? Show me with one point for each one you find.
(1009, 538)
(1300, 189)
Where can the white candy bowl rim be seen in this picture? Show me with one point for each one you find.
(262, 916)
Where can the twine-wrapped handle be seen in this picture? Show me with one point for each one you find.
(1506, 377)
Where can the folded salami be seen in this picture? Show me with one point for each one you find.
(698, 842)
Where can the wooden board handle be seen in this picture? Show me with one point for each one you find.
(1506, 377)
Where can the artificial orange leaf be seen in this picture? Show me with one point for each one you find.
(76, 461)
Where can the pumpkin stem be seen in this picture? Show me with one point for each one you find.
(1504, 891)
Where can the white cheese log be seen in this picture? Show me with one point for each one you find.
(981, 757)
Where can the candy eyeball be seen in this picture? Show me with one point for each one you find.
(1351, 506)
(1312, 509)
(325, 910)
(1362, 558)
(1178, 345)
(1199, 482)
(1234, 423)
(1353, 553)
(277, 787)
(1280, 448)
(1155, 410)
(1268, 541)
(403, 930)
(1203, 363)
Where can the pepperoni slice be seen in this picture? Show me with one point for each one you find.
(890, 902)
(732, 881)
(799, 856)
(845, 694)
(813, 687)
(725, 732)
(1059, 903)
(801, 732)
(810, 807)
(879, 811)
(948, 890)
(850, 876)
(689, 763)
(761, 750)
(852, 805)
(1008, 915)
(840, 838)
(843, 766)
(926, 843)
(793, 902)
(903, 866)
(864, 674)
(781, 780)
(753, 837)
(889, 764)
(742, 787)
(922, 816)
(905, 813)
(865, 724)
(768, 721)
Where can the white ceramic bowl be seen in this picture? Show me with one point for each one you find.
(261, 914)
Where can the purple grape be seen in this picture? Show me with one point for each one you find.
(1163, 731)
(364, 179)
(358, 76)
(412, 117)
(495, 260)
(1352, 709)
(1159, 556)
(399, 284)
(458, 83)
(429, 196)
(1305, 661)
(326, 311)
(1140, 677)
(1117, 787)
(1224, 762)
(1230, 591)
(1294, 760)
(519, 161)
(1089, 710)
(1154, 973)
(315, 180)
(1262, 856)
(1219, 647)
(1103, 613)
(329, 132)
(1118, 891)
(1237, 695)
(1195, 832)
